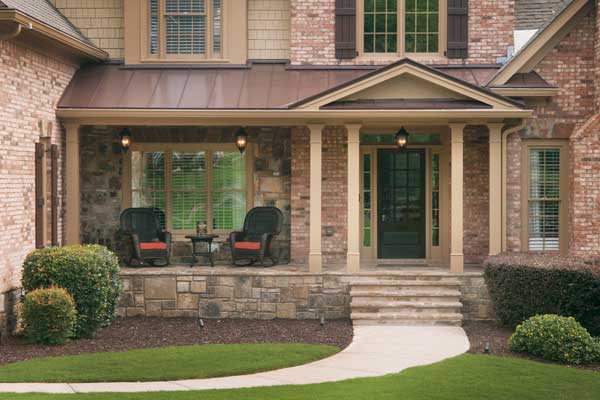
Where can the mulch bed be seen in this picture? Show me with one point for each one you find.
(487, 333)
(136, 333)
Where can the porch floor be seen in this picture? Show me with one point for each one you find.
(302, 269)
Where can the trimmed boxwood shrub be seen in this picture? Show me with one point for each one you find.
(523, 285)
(555, 338)
(48, 316)
(90, 273)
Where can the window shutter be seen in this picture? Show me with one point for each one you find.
(54, 192)
(458, 29)
(39, 195)
(345, 29)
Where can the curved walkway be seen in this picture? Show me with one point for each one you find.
(375, 351)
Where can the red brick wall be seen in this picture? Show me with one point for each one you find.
(334, 194)
(30, 85)
(570, 67)
(491, 26)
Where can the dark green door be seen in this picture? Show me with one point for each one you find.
(401, 203)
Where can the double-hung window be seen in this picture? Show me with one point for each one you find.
(180, 29)
(546, 195)
(400, 27)
(191, 184)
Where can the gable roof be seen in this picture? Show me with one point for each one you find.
(535, 14)
(542, 42)
(410, 67)
(44, 12)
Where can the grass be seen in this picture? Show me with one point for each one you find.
(463, 377)
(166, 363)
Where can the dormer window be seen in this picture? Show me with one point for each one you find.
(180, 29)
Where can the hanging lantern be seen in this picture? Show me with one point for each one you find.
(401, 138)
(241, 140)
(125, 136)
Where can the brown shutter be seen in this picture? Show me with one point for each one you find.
(54, 192)
(345, 29)
(458, 29)
(39, 195)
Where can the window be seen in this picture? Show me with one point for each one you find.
(401, 26)
(185, 28)
(191, 184)
(544, 197)
(435, 199)
(367, 228)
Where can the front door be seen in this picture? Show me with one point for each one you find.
(401, 203)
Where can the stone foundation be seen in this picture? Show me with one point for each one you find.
(259, 294)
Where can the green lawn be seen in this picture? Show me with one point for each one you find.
(464, 377)
(167, 363)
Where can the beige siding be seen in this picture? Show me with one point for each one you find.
(99, 20)
(269, 29)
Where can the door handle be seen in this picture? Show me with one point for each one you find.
(382, 217)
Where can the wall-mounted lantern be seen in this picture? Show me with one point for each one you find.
(241, 140)
(125, 137)
(401, 138)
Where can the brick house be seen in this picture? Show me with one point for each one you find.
(502, 154)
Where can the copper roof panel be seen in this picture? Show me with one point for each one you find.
(254, 92)
(284, 88)
(198, 89)
(312, 82)
(140, 89)
(113, 82)
(169, 89)
(82, 87)
(226, 91)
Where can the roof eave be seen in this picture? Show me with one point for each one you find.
(541, 42)
(526, 91)
(75, 45)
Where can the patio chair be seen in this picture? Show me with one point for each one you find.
(150, 242)
(253, 244)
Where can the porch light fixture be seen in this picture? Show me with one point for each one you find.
(241, 140)
(125, 137)
(401, 138)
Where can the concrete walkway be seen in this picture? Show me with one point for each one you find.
(375, 351)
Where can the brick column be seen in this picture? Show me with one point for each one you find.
(457, 258)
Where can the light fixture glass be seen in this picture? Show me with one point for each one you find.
(401, 138)
(125, 137)
(241, 140)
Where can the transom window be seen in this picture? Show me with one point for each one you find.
(191, 185)
(401, 26)
(185, 28)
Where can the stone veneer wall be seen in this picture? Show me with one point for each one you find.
(31, 84)
(102, 168)
(491, 26)
(260, 295)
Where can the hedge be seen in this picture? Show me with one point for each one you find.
(48, 316)
(90, 273)
(522, 285)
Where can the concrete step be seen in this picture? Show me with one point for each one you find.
(406, 322)
(405, 283)
(411, 294)
(405, 277)
(384, 303)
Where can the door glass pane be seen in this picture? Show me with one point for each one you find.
(367, 200)
(435, 200)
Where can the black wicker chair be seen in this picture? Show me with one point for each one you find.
(253, 244)
(150, 242)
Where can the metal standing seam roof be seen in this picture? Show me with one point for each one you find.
(259, 86)
(45, 12)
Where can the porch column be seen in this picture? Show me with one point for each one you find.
(72, 184)
(495, 183)
(353, 256)
(456, 199)
(315, 263)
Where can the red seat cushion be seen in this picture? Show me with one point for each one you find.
(153, 246)
(247, 245)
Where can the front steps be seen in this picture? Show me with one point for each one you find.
(406, 299)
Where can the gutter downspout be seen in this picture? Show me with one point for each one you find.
(16, 31)
(505, 135)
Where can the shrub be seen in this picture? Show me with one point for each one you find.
(89, 273)
(48, 316)
(555, 338)
(523, 285)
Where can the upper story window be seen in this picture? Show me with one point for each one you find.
(185, 28)
(400, 26)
